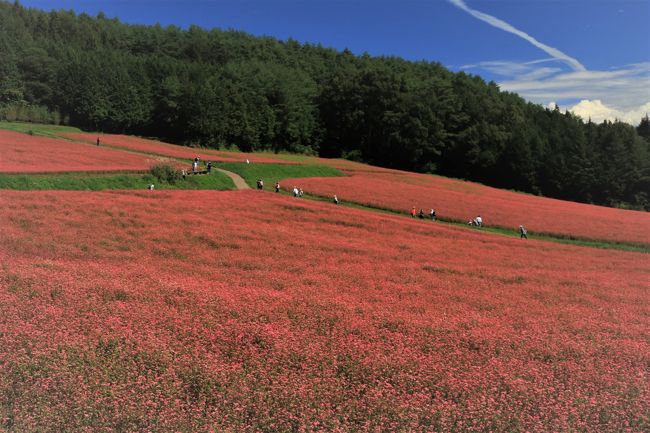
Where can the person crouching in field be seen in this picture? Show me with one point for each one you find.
(523, 233)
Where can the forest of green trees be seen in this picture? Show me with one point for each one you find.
(226, 88)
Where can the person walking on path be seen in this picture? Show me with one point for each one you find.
(195, 166)
(97, 141)
(421, 214)
(432, 214)
(336, 199)
(277, 186)
(209, 167)
(523, 233)
(295, 191)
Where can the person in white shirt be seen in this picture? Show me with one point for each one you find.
(523, 233)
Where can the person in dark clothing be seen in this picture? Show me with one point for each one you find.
(97, 141)
(421, 214)
(209, 167)
(432, 214)
(277, 186)
(523, 233)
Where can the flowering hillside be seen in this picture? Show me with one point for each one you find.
(23, 153)
(176, 311)
(156, 147)
(461, 200)
(171, 150)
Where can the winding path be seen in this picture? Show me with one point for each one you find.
(239, 181)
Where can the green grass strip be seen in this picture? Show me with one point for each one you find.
(270, 173)
(99, 182)
(52, 131)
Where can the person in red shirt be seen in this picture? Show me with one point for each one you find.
(413, 212)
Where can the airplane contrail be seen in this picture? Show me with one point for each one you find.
(500, 24)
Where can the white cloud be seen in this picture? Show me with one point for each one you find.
(623, 89)
(500, 24)
(621, 93)
(538, 74)
(597, 112)
(506, 68)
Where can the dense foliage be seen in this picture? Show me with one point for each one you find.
(225, 88)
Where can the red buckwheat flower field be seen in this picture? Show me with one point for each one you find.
(247, 311)
(461, 201)
(128, 142)
(23, 153)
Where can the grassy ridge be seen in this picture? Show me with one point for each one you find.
(98, 182)
(270, 173)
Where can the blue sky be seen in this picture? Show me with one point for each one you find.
(590, 56)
